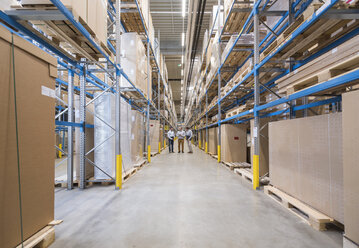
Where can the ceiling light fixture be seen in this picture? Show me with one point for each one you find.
(182, 59)
(183, 8)
(182, 39)
(181, 72)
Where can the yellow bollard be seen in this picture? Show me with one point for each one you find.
(219, 153)
(119, 171)
(60, 153)
(164, 143)
(206, 147)
(159, 147)
(255, 171)
(199, 144)
(149, 153)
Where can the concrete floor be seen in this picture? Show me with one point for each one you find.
(181, 200)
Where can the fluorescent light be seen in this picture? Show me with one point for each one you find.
(182, 39)
(183, 8)
(181, 72)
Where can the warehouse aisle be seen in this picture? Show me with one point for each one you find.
(181, 200)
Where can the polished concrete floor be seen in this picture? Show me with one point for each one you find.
(181, 200)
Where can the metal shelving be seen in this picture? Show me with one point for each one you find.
(302, 18)
(84, 69)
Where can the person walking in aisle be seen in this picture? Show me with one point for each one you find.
(171, 136)
(189, 139)
(181, 135)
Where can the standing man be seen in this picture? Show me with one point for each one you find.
(171, 136)
(181, 134)
(189, 139)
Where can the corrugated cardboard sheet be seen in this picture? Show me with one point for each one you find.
(305, 161)
(137, 136)
(212, 140)
(234, 143)
(263, 146)
(36, 132)
(351, 164)
(154, 135)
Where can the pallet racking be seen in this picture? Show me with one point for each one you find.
(302, 33)
(97, 66)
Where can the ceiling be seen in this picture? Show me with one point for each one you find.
(169, 23)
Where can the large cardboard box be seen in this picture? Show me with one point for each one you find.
(263, 146)
(351, 164)
(35, 73)
(212, 140)
(305, 161)
(234, 143)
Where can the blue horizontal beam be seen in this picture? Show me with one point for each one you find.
(72, 124)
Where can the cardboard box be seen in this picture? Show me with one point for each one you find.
(263, 146)
(234, 143)
(305, 161)
(36, 131)
(351, 164)
(212, 140)
(155, 134)
(5, 4)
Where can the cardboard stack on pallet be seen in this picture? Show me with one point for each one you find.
(32, 72)
(306, 161)
(350, 163)
(91, 13)
(212, 140)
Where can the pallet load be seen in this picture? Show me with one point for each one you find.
(233, 143)
(305, 162)
(338, 61)
(26, 160)
(351, 168)
(134, 63)
(213, 140)
(92, 14)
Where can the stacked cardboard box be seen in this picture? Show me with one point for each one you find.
(351, 168)
(305, 161)
(233, 143)
(35, 73)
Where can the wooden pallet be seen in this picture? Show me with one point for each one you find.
(64, 36)
(341, 68)
(237, 165)
(244, 173)
(43, 238)
(287, 33)
(314, 218)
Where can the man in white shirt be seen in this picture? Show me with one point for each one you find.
(171, 136)
(181, 135)
(189, 135)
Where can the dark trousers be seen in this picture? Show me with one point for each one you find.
(170, 145)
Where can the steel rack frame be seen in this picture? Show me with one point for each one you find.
(252, 23)
(80, 68)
